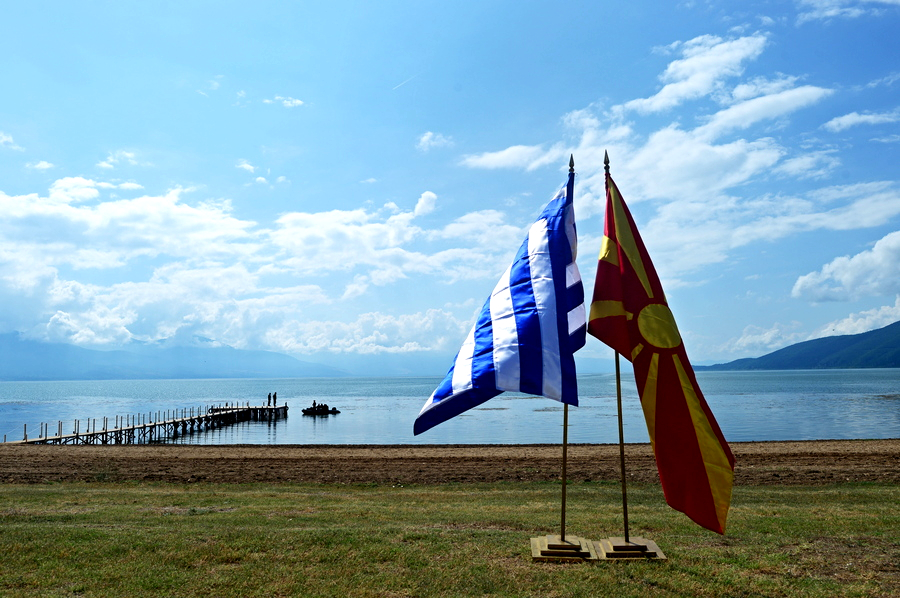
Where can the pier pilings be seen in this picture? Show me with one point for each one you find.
(145, 428)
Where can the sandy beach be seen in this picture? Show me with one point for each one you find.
(758, 463)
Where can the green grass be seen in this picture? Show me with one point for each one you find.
(129, 539)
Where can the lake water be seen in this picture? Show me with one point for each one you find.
(749, 406)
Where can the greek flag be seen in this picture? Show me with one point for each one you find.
(529, 328)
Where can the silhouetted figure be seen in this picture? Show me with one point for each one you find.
(269, 400)
(274, 399)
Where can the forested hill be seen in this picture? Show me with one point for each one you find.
(874, 349)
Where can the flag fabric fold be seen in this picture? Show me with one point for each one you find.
(529, 328)
(629, 313)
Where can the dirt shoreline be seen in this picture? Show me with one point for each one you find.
(758, 463)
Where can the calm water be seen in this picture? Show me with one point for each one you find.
(790, 405)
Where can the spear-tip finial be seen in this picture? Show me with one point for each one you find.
(571, 162)
(606, 161)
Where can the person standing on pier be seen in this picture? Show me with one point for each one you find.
(274, 399)
(269, 401)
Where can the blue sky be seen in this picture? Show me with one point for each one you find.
(345, 181)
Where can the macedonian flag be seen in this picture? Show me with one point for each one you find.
(630, 314)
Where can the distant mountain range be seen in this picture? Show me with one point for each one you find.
(31, 360)
(874, 349)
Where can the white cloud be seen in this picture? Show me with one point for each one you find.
(745, 114)
(72, 229)
(863, 321)
(73, 190)
(426, 204)
(372, 333)
(853, 119)
(812, 165)
(517, 156)
(244, 165)
(261, 180)
(888, 80)
(706, 61)
(286, 101)
(813, 10)
(119, 157)
(759, 86)
(430, 140)
(42, 165)
(695, 177)
(369, 181)
(6, 141)
(874, 272)
(758, 341)
(383, 246)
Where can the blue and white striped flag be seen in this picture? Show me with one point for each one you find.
(529, 328)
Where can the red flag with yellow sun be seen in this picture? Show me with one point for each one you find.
(630, 314)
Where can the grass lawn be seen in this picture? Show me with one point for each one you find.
(211, 540)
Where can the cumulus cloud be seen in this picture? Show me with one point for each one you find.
(426, 204)
(386, 245)
(757, 341)
(373, 333)
(863, 321)
(874, 272)
(42, 165)
(430, 140)
(74, 228)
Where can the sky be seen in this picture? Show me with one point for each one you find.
(345, 182)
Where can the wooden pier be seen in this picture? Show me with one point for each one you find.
(145, 428)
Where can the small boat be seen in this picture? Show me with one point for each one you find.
(320, 410)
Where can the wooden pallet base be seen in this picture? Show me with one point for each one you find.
(553, 548)
(636, 549)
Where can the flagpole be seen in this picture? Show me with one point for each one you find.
(565, 442)
(562, 531)
(619, 401)
(622, 447)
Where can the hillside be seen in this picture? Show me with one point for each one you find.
(30, 360)
(874, 349)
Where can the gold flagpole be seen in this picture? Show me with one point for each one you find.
(559, 548)
(624, 548)
(562, 525)
(622, 447)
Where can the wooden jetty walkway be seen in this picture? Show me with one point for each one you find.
(145, 428)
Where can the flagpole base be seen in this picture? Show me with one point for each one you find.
(554, 549)
(637, 549)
